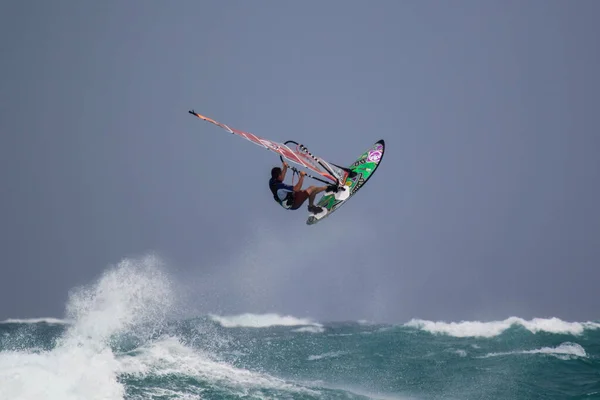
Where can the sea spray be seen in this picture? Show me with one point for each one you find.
(133, 294)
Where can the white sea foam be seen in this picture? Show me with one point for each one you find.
(310, 329)
(330, 354)
(460, 352)
(495, 328)
(169, 357)
(564, 351)
(261, 321)
(82, 365)
(131, 298)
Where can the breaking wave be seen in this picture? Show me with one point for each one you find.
(495, 328)
(117, 331)
(261, 321)
(82, 363)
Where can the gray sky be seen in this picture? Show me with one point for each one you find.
(485, 205)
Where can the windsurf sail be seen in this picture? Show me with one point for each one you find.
(297, 153)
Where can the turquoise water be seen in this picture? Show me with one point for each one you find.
(120, 340)
(201, 358)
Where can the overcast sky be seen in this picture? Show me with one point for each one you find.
(485, 205)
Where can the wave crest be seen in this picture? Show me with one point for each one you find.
(249, 320)
(495, 328)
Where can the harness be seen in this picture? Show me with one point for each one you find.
(288, 201)
(289, 198)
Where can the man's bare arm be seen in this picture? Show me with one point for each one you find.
(298, 186)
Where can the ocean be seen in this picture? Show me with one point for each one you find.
(119, 340)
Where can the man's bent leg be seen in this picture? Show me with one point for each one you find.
(312, 192)
(299, 198)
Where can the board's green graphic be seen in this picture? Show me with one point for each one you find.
(362, 169)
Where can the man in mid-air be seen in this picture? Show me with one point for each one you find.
(292, 197)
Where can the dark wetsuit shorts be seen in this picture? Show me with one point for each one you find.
(299, 198)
